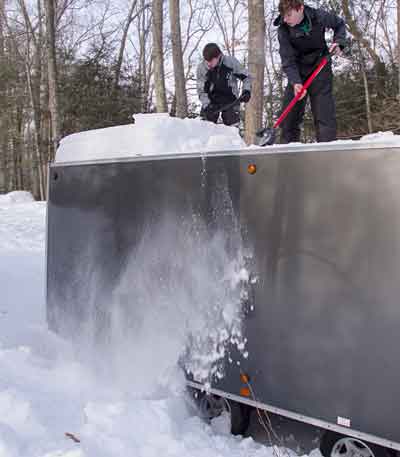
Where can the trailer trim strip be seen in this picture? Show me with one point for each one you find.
(299, 417)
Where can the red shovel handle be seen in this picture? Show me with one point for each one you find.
(306, 85)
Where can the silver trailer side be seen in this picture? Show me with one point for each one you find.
(324, 228)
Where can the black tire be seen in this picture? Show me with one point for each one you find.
(239, 413)
(329, 440)
(240, 417)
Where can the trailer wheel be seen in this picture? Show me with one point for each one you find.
(337, 445)
(212, 406)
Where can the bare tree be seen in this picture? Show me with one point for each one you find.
(158, 56)
(31, 54)
(130, 18)
(398, 43)
(3, 113)
(228, 16)
(254, 109)
(198, 22)
(52, 72)
(359, 35)
(273, 69)
(144, 53)
(2, 13)
(366, 89)
(177, 57)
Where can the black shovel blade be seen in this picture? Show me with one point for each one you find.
(266, 136)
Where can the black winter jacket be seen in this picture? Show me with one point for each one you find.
(299, 49)
(220, 85)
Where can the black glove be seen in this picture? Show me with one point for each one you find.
(245, 97)
(345, 47)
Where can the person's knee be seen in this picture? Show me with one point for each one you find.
(231, 121)
(231, 117)
(211, 117)
(209, 113)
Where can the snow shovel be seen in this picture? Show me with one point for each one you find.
(268, 135)
(238, 101)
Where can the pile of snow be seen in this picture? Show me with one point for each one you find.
(22, 222)
(18, 196)
(378, 139)
(150, 134)
(387, 137)
(48, 397)
(374, 140)
(160, 134)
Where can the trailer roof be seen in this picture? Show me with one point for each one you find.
(158, 136)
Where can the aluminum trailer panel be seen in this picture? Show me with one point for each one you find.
(324, 229)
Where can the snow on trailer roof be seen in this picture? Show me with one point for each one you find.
(150, 134)
(162, 136)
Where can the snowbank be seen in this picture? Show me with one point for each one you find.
(47, 392)
(387, 137)
(150, 134)
(18, 196)
(22, 223)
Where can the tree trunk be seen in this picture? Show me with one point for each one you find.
(17, 147)
(366, 92)
(35, 102)
(254, 109)
(3, 119)
(158, 55)
(367, 101)
(144, 21)
(123, 43)
(177, 57)
(142, 63)
(3, 155)
(1, 30)
(398, 43)
(52, 73)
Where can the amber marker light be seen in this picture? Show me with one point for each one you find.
(251, 168)
(245, 392)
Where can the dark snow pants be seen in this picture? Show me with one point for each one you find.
(229, 117)
(322, 107)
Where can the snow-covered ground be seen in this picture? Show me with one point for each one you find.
(47, 392)
(50, 394)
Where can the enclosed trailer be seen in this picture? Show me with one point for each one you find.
(322, 317)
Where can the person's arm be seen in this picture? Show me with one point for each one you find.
(240, 72)
(337, 24)
(288, 57)
(201, 81)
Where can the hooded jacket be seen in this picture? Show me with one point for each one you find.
(220, 84)
(300, 47)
